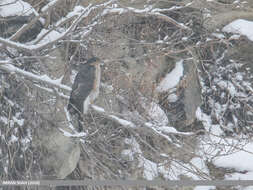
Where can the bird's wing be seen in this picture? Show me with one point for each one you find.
(83, 86)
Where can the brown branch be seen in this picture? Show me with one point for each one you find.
(26, 27)
(12, 69)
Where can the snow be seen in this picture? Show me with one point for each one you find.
(205, 119)
(129, 154)
(158, 114)
(172, 98)
(4, 120)
(68, 134)
(49, 36)
(227, 85)
(114, 10)
(15, 8)
(98, 109)
(68, 117)
(199, 165)
(73, 76)
(13, 139)
(249, 187)
(235, 159)
(235, 37)
(9, 101)
(218, 35)
(195, 170)
(171, 79)
(240, 176)
(240, 26)
(25, 142)
(52, 3)
(123, 122)
(226, 152)
(61, 94)
(204, 188)
(155, 113)
(43, 78)
(135, 147)
(167, 129)
(20, 122)
(150, 168)
(147, 10)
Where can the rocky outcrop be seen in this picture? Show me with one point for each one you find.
(61, 153)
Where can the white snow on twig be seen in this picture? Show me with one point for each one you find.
(155, 113)
(13, 139)
(49, 37)
(146, 11)
(52, 91)
(44, 78)
(240, 26)
(15, 8)
(56, 37)
(123, 122)
(171, 79)
(68, 117)
(20, 122)
(4, 120)
(120, 121)
(172, 97)
(150, 170)
(52, 3)
(98, 109)
(167, 129)
(68, 134)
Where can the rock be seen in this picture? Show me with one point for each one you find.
(192, 92)
(61, 153)
(181, 109)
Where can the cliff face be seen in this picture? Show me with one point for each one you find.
(170, 80)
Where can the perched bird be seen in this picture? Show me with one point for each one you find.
(86, 87)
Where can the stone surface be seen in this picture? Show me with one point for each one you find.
(61, 153)
(192, 91)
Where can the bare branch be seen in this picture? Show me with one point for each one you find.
(53, 83)
(26, 27)
(145, 13)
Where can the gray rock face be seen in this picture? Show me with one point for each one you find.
(192, 92)
(61, 153)
(182, 111)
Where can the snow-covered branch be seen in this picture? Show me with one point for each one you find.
(26, 27)
(45, 79)
(145, 12)
(80, 12)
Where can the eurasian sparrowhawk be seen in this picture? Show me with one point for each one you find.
(86, 87)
